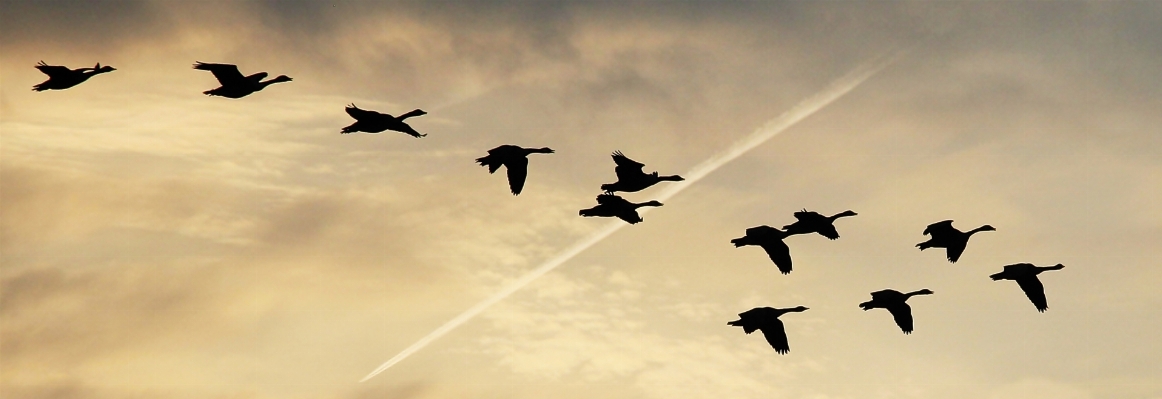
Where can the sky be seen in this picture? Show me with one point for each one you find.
(158, 243)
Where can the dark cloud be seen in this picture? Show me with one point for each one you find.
(79, 25)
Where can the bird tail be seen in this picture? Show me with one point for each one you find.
(488, 161)
(739, 323)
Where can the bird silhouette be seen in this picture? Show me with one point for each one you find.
(375, 122)
(893, 301)
(630, 177)
(234, 85)
(515, 159)
(60, 78)
(771, 240)
(811, 222)
(946, 236)
(1025, 274)
(609, 205)
(767, 321)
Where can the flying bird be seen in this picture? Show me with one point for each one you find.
(234, 85)
(609, 205)
(893, 301)
(771, 240)
(811, 222)
(375, 122)
(1025, 274)
(60, 77)
(631, 178)
(767, 321)
(515, 159)
(946, 236)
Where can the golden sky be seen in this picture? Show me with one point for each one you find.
(158, 243)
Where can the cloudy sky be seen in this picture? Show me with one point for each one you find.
(158, 243)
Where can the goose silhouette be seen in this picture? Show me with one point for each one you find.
(770, 240)
(234, 85)
(375, 122)
(610, 205)
(894, 302)
(60, 77)
(943, 235)
(1025, 274)
(767, 320)
(631, 178)
(515, 159)
(811, 222)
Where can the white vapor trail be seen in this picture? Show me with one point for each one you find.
(800, 111)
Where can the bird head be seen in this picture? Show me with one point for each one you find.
(103, 69)
(987, 228)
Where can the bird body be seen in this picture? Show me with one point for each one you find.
(60, 77)
(943, 235)
(1025, 274)
(631, 178)
(234, 85)
(609, 205)
(812, 222)
(895, 302)
(770, 240)
(767, 320)
(375, 122)
(515, 159)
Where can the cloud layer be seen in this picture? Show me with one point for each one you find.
(158, 243)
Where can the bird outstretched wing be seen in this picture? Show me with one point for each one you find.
(610, 199)
(626, 168)
(903, 315)
(939, 228)
(779, 253)
(518, 169)
(226, 74)
(760, 231)
(885, 295)
(954, 252)
(361, 114)
(776, 335)
(1035, 291)
(52, 70)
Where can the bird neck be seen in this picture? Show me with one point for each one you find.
(670, 178)
(920, 292)
(273, 81)
(976, 230)
(842, 214)
(543, 150)
(651, 203)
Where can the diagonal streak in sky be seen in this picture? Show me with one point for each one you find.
(800, 111)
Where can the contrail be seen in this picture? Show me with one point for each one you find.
(800, 111)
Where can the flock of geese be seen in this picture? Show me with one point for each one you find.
(631, 177)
